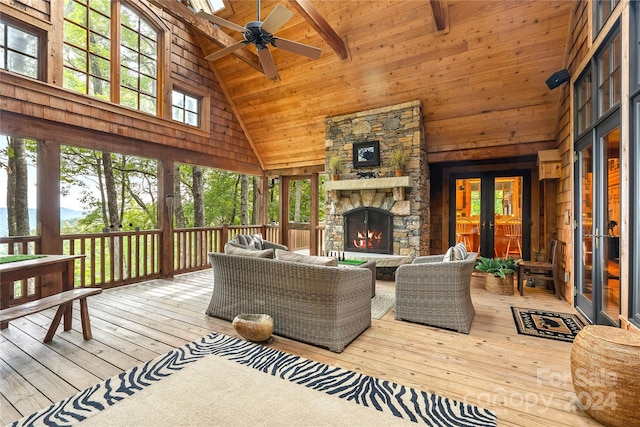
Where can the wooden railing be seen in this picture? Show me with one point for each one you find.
(114, 259)
(119, 258)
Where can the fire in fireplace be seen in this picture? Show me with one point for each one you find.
(368, 230)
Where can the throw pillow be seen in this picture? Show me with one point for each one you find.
(462, 251)
(235, 250)
(251, 241)
(306, 259)
(448, 256)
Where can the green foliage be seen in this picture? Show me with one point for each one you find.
(499, 267)
(335, 165)
(399, 158)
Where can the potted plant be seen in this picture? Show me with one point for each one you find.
(499, 274)
(335, 166)
(399, 159)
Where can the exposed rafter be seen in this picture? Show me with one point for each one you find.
(309, 12)
(203, 27)
(439, 9)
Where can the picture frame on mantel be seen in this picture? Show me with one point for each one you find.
(366, 154)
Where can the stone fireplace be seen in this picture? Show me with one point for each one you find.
(373, 192)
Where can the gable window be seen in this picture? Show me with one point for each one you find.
(139, 62)
(185, 108)
(91, 53)
(19, 50)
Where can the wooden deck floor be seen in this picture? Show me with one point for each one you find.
(526, 380)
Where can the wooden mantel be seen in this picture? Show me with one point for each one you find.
(397, 184)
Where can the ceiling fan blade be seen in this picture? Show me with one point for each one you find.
(268, 65)
(295, 47)
(227, 50)
(222, 22)
(276, 19)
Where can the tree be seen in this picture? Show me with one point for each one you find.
(244, 199)
(198, 197)
(178, 210)
(17, 189)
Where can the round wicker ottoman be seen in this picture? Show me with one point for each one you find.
(253, 327)
(605, 368)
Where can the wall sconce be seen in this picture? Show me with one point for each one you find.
(168, 202)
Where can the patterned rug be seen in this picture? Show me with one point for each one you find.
(349, 388)
(547, 324)
(381, 303)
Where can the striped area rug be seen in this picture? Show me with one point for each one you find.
(393, 399)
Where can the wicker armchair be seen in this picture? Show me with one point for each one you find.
(436, 293)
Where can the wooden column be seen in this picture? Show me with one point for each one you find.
(284, 210)
(48, 212)
(165, 217)
(313, 219)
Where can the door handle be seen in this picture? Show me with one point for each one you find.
(491, 224)
(597, 238)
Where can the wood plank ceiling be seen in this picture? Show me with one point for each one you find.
(481, 79)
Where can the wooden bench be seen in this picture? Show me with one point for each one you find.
(552, 270)
(62, 300)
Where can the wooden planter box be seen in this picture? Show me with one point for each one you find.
(498, 285)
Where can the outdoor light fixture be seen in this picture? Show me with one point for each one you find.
(558, 78)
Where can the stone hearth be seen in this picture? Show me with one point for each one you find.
(406, 198)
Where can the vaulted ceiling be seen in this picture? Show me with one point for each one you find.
(481, 79)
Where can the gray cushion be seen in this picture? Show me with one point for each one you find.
(306, 259)
(233, 249)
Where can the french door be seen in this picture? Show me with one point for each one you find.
(597, 189)
(492, 213)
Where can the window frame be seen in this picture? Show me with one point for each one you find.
(40, 34)
(634, 160)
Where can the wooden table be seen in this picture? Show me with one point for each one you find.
(49, 264)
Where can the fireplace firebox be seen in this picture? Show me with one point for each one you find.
(368, 229)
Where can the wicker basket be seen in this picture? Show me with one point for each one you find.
(605, 363)
(498, 285)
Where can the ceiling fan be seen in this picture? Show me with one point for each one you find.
(261, 35)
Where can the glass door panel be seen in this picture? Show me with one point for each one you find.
(507, 203)
(598, 207)
(585, 288)
(611, 236)
(488, 215)
(468, 213)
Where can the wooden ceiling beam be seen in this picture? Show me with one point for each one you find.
(206, 29)
(313, 17)
(439, 9)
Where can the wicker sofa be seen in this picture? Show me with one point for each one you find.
(320, 305)
(436, 292)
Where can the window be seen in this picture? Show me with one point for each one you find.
(87, 47)
(139, 62)
(90, 52)
(609, 75)
(19, 50)
(583, 102)
(185, 108)
(209, 6)
(601, 11)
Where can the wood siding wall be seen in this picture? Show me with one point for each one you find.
(34, 107)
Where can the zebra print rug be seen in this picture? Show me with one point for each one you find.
(385, 396)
